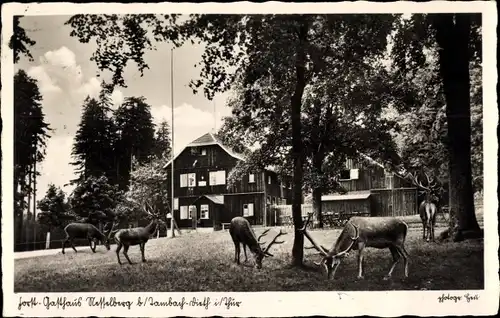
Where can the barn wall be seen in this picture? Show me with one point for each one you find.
(396, 202)
(233, 206)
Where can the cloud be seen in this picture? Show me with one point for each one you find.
(64, 87)
(189, 122)
(56, 167)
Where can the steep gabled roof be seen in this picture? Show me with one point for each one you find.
(206, 140)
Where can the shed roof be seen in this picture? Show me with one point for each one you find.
(359, 195)
(217, 199)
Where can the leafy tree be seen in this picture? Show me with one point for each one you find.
(20, 41)
(135, 138)
(287, 48)
(149, 187)
(457, 39)
(95, 194)
(30, 136)
(162, 142)
(333, 128)
(54, 209)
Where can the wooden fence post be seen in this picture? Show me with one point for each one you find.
(47, 241)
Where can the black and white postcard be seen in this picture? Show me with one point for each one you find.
(249, 159)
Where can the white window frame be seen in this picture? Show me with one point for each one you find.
(354, 174)
(191, 177)
(176, 203)
(251, 178)
(203, 152)
(183, 180)
(219, 176)
(204, 212)
(189, 211)
(248, 209)
(184, 212)
(268, 179)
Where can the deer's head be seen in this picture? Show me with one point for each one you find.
(342, 247)
(430, 190)
(264, 252)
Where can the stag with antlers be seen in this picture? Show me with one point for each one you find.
(428, 207)
(242, 233)
(136, 236)
(361, 232)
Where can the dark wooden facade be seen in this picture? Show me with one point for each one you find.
(201, 174)
(387, 194)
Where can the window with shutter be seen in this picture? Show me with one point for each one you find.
(184, 212)
(191, 179)
(204, 211)
(184, 180)
(213, 178)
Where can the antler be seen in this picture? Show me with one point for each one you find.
(261, 235)
(266, 251)
(112, 228)
(356, 236)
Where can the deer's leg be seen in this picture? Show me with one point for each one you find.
(424, 226)
(395, 260)
(142, 251)
(361, 248)
(95, 244)
(125, 252)
(64, 244)
(73, 245)
(237, 253)
(245, 250)
(402, 251)
(118, 248)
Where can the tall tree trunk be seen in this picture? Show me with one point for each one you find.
(317, 190)
(296, 106)
(452, 34)
(316, 196)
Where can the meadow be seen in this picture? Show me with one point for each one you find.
(204, 262)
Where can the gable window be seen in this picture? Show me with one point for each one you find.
(204, 212)
(184, 180)
(191, 179)
(217, 177)
(248, 209)
(184, 212)
(251, 178)
(349, 174)
(203, 152)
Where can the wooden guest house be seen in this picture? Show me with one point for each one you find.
(372, 190)
(202, 197)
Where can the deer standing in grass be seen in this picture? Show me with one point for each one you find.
(242, 233)
(359, 233)
(136, 236)
(428, 207)
(84, 230)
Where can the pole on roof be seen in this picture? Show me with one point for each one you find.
(172, 221)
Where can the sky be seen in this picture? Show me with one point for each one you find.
(66, 76)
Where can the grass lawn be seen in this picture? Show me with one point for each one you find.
(204, 262)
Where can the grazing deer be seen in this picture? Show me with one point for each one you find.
(428, 207)
(361, 232)
(84, 230)
(135, 236)
(241, 232)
